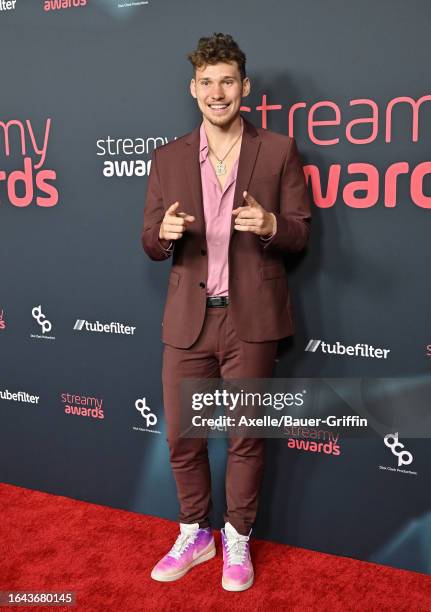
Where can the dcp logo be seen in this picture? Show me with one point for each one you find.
(41, 319)
(145, 411)
(404, 457)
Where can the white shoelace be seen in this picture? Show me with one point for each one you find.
(182, 542)
(235, 550)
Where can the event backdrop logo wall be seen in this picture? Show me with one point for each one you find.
(89, 91)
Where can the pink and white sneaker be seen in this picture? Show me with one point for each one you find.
(238, 574)
(192, 546)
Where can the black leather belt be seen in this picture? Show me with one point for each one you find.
(220, 301)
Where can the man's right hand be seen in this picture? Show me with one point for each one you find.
(174, 224)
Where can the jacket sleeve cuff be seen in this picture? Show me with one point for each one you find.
(167, 249)
(267, 239)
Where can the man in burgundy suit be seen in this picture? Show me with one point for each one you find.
(225, 201)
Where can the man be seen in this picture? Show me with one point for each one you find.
(225, 201)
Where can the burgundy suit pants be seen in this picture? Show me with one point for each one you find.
(217, 353)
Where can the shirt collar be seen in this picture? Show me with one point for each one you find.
(203, 145)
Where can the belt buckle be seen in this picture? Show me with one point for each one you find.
(217, 301)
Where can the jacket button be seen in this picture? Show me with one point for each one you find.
(203, 252)
(201, 284)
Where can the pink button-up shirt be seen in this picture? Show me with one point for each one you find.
(218, 205)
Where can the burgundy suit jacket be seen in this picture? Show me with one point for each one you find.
(259, 297)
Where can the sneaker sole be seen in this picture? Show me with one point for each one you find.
(242, 587)
(204, 556)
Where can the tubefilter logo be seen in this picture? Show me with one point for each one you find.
(7, 5)
(358, 350)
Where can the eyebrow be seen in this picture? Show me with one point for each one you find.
(227, 76)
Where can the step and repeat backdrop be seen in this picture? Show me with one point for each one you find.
(88, 89)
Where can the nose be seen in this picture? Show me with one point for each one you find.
(217, 92)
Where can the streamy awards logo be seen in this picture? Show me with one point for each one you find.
(87, 406)
(58, 5)
(127, 157)
(24, 179)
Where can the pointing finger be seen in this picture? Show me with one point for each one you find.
(172, 208)
(186, 217)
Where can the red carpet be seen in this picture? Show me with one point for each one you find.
(105, 555)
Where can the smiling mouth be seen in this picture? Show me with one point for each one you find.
(218, 108)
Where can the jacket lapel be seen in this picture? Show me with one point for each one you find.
(250, 144)
(192, 170)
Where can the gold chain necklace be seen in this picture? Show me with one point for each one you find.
(221, 166)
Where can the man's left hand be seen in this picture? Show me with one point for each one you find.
(254, 218)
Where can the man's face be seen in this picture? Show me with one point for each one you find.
(218, 90)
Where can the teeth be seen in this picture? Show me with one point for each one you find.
(218, 105)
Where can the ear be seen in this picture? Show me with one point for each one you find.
(246, 87)
(193, 88)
